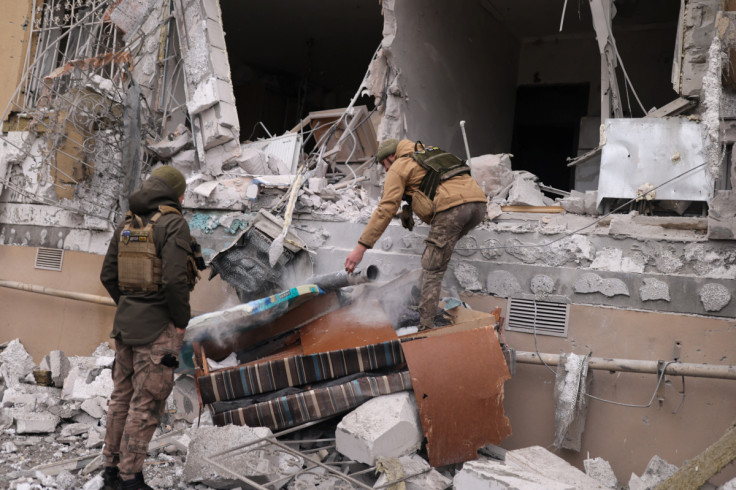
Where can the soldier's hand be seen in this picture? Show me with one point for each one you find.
(354, 257)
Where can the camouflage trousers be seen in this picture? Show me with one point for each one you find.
(446, 229)
(141, 386)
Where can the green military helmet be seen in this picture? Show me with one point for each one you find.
(386, 148)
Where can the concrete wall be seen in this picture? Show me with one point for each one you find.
(676, 430)
(13, 45)
(456, 63)
(622, 262)
(44, 323)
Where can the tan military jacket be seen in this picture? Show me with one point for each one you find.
(404, 177)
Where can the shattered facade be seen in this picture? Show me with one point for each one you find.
(602, 134)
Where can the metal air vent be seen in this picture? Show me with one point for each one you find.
(544, 317)
(49, 259)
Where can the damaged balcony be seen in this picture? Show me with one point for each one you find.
(601, 132)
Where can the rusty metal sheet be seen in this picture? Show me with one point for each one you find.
(362, 323)
(458, 379)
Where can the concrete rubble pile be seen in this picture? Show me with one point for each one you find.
(52, 429)
(52, 436)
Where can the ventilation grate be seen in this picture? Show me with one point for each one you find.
(548, 317)
(49, 259)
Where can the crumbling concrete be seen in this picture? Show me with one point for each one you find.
(184, 400)
(383, 427)
(657, 471)
(261, 463)
(525, 191)
(528, 468)
(601, 470)
(15, 363)
(714, 296)
(427, 478)
(593, 283)
(34, 422)
(492, 172)
(87, 381)
(58, 364)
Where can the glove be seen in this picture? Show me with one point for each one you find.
(407, 217)
(197, 253)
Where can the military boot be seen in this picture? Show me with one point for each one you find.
(111, 478)
(136, 483)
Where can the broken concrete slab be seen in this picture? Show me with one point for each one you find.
(95, 406)
(525, 192)
(31, 396)
(34, 422)
(6, 418)
(184, 399)
(58, 363)
(15, 363)
(74, 429)
(384, 427)
(492, 475)
(175, 142)
(95, 437)
(574, 203)
(261, 463)
(541, 461)
(86, 381)
(722, 216)
(571, 385)
(492, 172)
(601, 470)
(319, 478)
(426, 477)
(657, 471)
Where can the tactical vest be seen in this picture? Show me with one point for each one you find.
(440, 166)
(139, 266)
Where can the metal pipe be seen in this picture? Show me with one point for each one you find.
(465, 140)
(637, 366)
(337, 280)
(90, 298)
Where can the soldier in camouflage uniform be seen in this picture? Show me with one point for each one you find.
(152, 297)
(457, 206)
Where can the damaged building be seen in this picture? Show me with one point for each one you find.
(602, 133)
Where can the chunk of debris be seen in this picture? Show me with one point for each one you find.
(492, 172)
(180, 139)
(15, 363)
(384, 427)
(657, 471)
(95, 406)
(529, 468)
(34, 422)
(184, 400)
(426, 478)
(261, 463)
(525, 191)
(571, 407)
(601, 470)
(31, 396)
(58, 363)
(87, 380)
